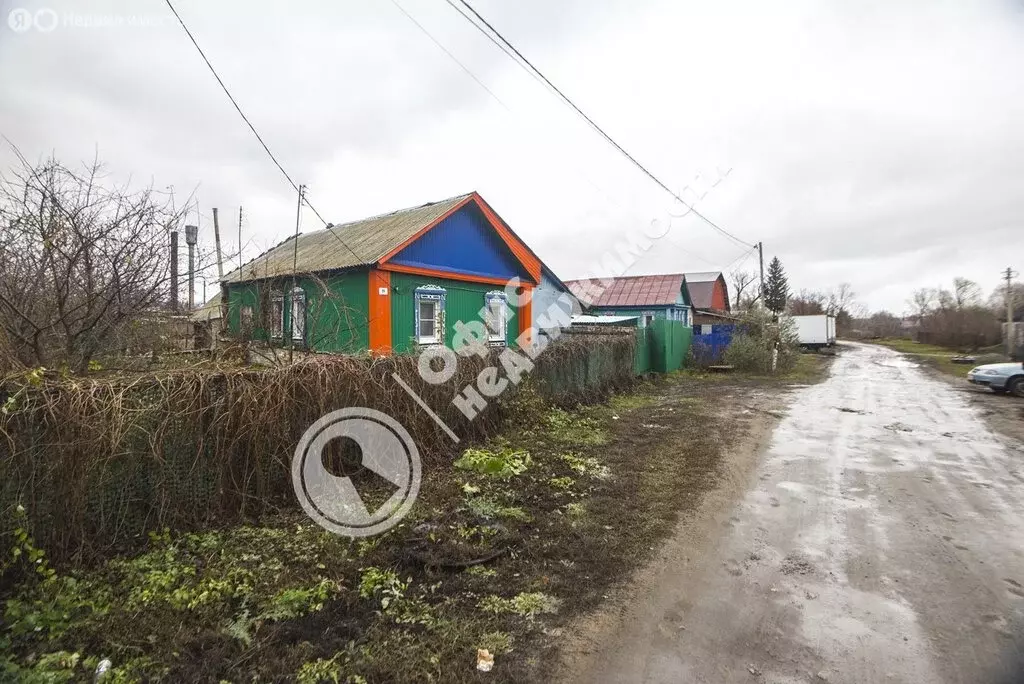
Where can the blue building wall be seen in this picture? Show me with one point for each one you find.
(464, 243)
(710, 341)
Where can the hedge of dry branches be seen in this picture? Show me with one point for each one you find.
(99, 463)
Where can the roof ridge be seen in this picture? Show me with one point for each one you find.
(397, 211)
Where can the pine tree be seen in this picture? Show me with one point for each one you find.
(776, 288)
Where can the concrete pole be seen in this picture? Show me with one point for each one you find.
(191, 237)
(174, 270)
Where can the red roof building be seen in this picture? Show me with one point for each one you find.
(645, 296)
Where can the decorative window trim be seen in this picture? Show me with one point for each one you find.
(499, 336)
(276, 315)
(437, 295)
(297, 298)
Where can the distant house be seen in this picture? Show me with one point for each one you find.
(647, 297)
(393, 282)
(709, 295)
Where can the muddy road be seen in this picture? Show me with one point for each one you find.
(879, 537)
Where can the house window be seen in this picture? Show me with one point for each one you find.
(648, 319)
(430, 314)
(496, 317)
(276, 315)
(298, 315)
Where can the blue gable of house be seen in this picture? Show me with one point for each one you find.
(463, 243)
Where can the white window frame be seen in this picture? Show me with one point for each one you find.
(298, 317)
(435, 295)
(497, 328)
(276, 315)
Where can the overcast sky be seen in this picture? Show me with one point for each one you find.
(877, 143)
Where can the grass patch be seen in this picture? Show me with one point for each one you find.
(939, 358)
(807, 368)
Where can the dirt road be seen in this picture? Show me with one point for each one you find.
(880, 539)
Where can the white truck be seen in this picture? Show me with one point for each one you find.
(815, 331)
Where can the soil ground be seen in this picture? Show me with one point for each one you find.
(505, 562)
(877, 538)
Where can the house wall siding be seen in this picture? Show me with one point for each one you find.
(672, 313)
(545, 295)
(465, 243)
(463, 301)
(718, 297)
(336, 320)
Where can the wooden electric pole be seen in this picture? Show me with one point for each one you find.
(216, 238)
(239, 242)
(760, 261)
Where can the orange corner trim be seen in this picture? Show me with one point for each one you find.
(525, 314)
(380, 312)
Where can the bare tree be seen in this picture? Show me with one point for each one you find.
(807, 303)
(965, 292)
(741, 280)
(79, 259)
(922, 301)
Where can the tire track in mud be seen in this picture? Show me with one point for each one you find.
(881, 539)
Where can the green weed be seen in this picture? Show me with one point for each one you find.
(562, 483)
(586, 465)
(502, 464)
(568, 428)
(526, 604)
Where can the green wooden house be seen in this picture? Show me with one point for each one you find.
(390, 283)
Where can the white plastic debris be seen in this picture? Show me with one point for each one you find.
(102, 669)
(484, 660)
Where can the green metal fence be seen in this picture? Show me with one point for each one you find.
(661, 347)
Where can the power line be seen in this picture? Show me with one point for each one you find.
(448, 52)
(741, 257)
(252, 128)
(589, 120)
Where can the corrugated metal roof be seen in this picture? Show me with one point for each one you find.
(645, 290)
(702, 276)
(208, 311)
(701, 288)
(584, 319)
(701, 294)
(369, 239)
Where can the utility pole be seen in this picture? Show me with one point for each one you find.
(295, 267)
(1011, 330)
(191, 237)
(174, 270)
(220, 260)
(239, 241)
(760, 261)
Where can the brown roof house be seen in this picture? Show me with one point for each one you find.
(710, 297)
